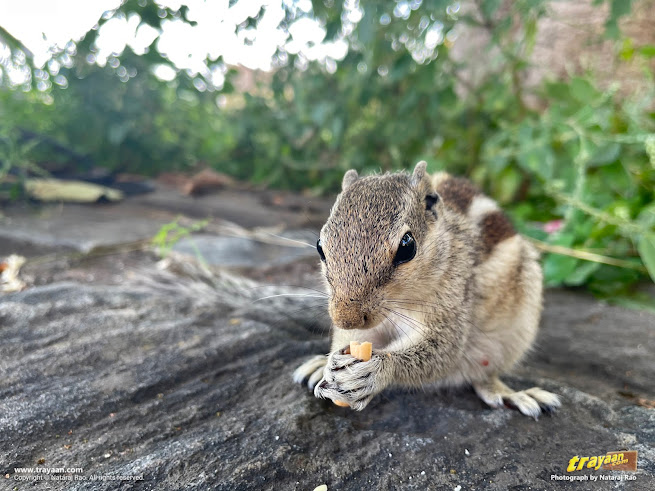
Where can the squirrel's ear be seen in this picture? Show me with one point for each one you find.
(420, 179)
(348, 178)
(419, 173)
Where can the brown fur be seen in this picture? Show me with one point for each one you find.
(494, 228)
(457, 192)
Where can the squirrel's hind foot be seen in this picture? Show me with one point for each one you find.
(531, 402)
(310, 372)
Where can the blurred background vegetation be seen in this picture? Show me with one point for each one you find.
(558, 125)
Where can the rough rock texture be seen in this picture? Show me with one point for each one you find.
(185, 380)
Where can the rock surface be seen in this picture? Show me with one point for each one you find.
(83, 227)
(183, 378)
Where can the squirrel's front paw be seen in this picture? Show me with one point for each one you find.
(350, 380)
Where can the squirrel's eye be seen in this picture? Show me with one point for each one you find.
(319, 248)
(406, 250)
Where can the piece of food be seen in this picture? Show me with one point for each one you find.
(354, 348)
(365, 351)
(362, 351)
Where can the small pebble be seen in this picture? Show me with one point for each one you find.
(457, 488)
(322, 487)
(423, 473)
(390, 455)
(466, 452)
(277, 437)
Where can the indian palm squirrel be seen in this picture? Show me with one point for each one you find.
(431, 272)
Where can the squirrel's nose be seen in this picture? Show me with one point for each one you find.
(348, 315)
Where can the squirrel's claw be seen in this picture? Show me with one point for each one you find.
(531, 402)
(350, 380)
(311, 371)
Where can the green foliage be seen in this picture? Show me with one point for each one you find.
(171, 233)
(564, 152)
(143, 126)
(618, 8)
(16, 156)
(583, 160)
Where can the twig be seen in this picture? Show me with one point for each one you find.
(585, 255)
(598, 214)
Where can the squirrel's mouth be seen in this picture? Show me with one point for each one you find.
(381, 335)
(353, 326)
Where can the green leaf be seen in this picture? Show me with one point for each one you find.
(618, 9)
(648, 50)
(610, 281)
(646, 217)
(646, 248)
(507, 184)
(582, 273)
(583, 91)
(538, 160)
(650, 149)
(557, 268)
(627, 50)
(605, 154)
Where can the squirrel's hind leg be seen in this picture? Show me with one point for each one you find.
(310, 372)
(531, 402)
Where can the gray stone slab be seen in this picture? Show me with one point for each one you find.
(82, 227)
(242, 252)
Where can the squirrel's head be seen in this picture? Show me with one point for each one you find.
(375, 243)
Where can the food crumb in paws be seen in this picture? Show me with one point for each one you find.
(362, 351)
(365, 351)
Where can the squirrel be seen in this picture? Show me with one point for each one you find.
(432, 272)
